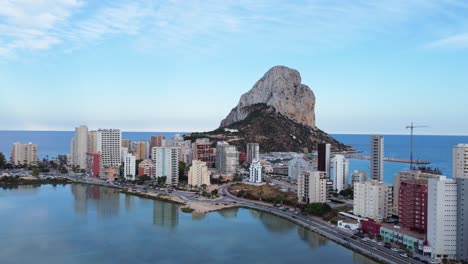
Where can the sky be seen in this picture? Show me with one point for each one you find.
(182, 65)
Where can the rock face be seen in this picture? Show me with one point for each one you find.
(280, 88)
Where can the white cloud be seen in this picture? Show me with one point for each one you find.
(455, 41)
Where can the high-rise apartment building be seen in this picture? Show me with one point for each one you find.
(442, 217)
(312, 186)
(227, 158)
(109, 145)
(253, 152)
(141, 150)
(79, 147)
(377, 158)
(24, 153)
(373, 199)
(255, 172)
(405, 176)
(297, 166)
(156, 141)
(358, 176)
(460, 161)
(166, 163)
(323, 162)
(129, 167)
(339, 172)
(202, 150)
(92, 141)
(412, 205)
(127, 143)
(198, 174)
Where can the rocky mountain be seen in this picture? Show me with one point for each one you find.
(278, 113)
(281, 88)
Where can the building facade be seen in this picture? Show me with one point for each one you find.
(146, 167)
(296, 166)
(255, 170)
(141, 152)
(462, 219)
(109, 144)
(79, 147)
(413, 205)
(166, 163)
(202, 150)
(339, 172)
(198, 174)
(253, 152)
(373, 199)
(312, 186)
(460, 161)
(227, 158)
(24, 154)
(129, 167)
(377, 158)
(323, 160)
(358, 176)
(442, 217)
(92, 141)
(93, 164)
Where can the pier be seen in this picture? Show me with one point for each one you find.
(400, 160)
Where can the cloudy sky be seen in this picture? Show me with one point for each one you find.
(143, 65)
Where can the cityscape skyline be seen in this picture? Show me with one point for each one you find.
(409, 53)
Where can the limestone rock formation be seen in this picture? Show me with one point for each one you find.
(280, 88)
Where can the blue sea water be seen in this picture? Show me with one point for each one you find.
(436, 149)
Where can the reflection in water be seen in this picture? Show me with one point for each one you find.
(313, 240)
(229, 213)
(105, 200)
(273, 223)
(198, 216)
(165, 214)
(129, 202)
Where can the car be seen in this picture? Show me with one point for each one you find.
(380, 243)
(373, 241)
(425, 261)
(403, 255)
(417, 258)
(364, 239)
(395, 249)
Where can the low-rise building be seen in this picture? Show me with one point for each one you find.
(412, 241)
(93, 164)
(146, 167)
(198, 174)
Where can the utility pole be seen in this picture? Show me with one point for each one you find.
(412, 127)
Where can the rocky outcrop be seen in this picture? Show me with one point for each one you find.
(280, 88)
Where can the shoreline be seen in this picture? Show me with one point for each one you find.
(199, 207)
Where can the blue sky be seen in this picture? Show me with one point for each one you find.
(374, 66)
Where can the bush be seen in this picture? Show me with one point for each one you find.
(317, 209)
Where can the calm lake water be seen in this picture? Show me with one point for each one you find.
(91, 224)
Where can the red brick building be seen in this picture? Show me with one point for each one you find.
(93, 164)
(371, 227)
(412, 205)
(203, 151)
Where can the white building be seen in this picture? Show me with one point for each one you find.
(79, 147)
(129, 167)
(358, 176)
(253, 152)
(340, 172)
(24, 153)
(109, 144)
(373, 199)
(198, 174)
(227, 158)
(460, 161)
(296, 166)
(255, 172)
(166, 163)
(377, 158)
(442, 217)
(312, 186)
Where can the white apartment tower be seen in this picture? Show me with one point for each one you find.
(255, 172)
(460, 161)
(340, 172)
(79, 146)
(129, 167)
(166, 163)
(373, 199)
(297, 166)
(24, 153)
(377, 158)
(312, 186)
(198, 174)
(253, 152)
(108, 142)
(358, 176)
(442, 217)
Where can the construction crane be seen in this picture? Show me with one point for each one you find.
(412, 127)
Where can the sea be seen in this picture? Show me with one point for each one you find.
(435, 149)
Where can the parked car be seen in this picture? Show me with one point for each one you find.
(403, 255)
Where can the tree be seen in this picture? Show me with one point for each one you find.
(317, 209)
(182, 168)
(36, 172)
(2, 161)
(161, 180)
(214, 192)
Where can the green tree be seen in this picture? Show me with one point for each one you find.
(317, 209)
(161, 180)
(182, 168)
(36, 172)
(2, 161)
